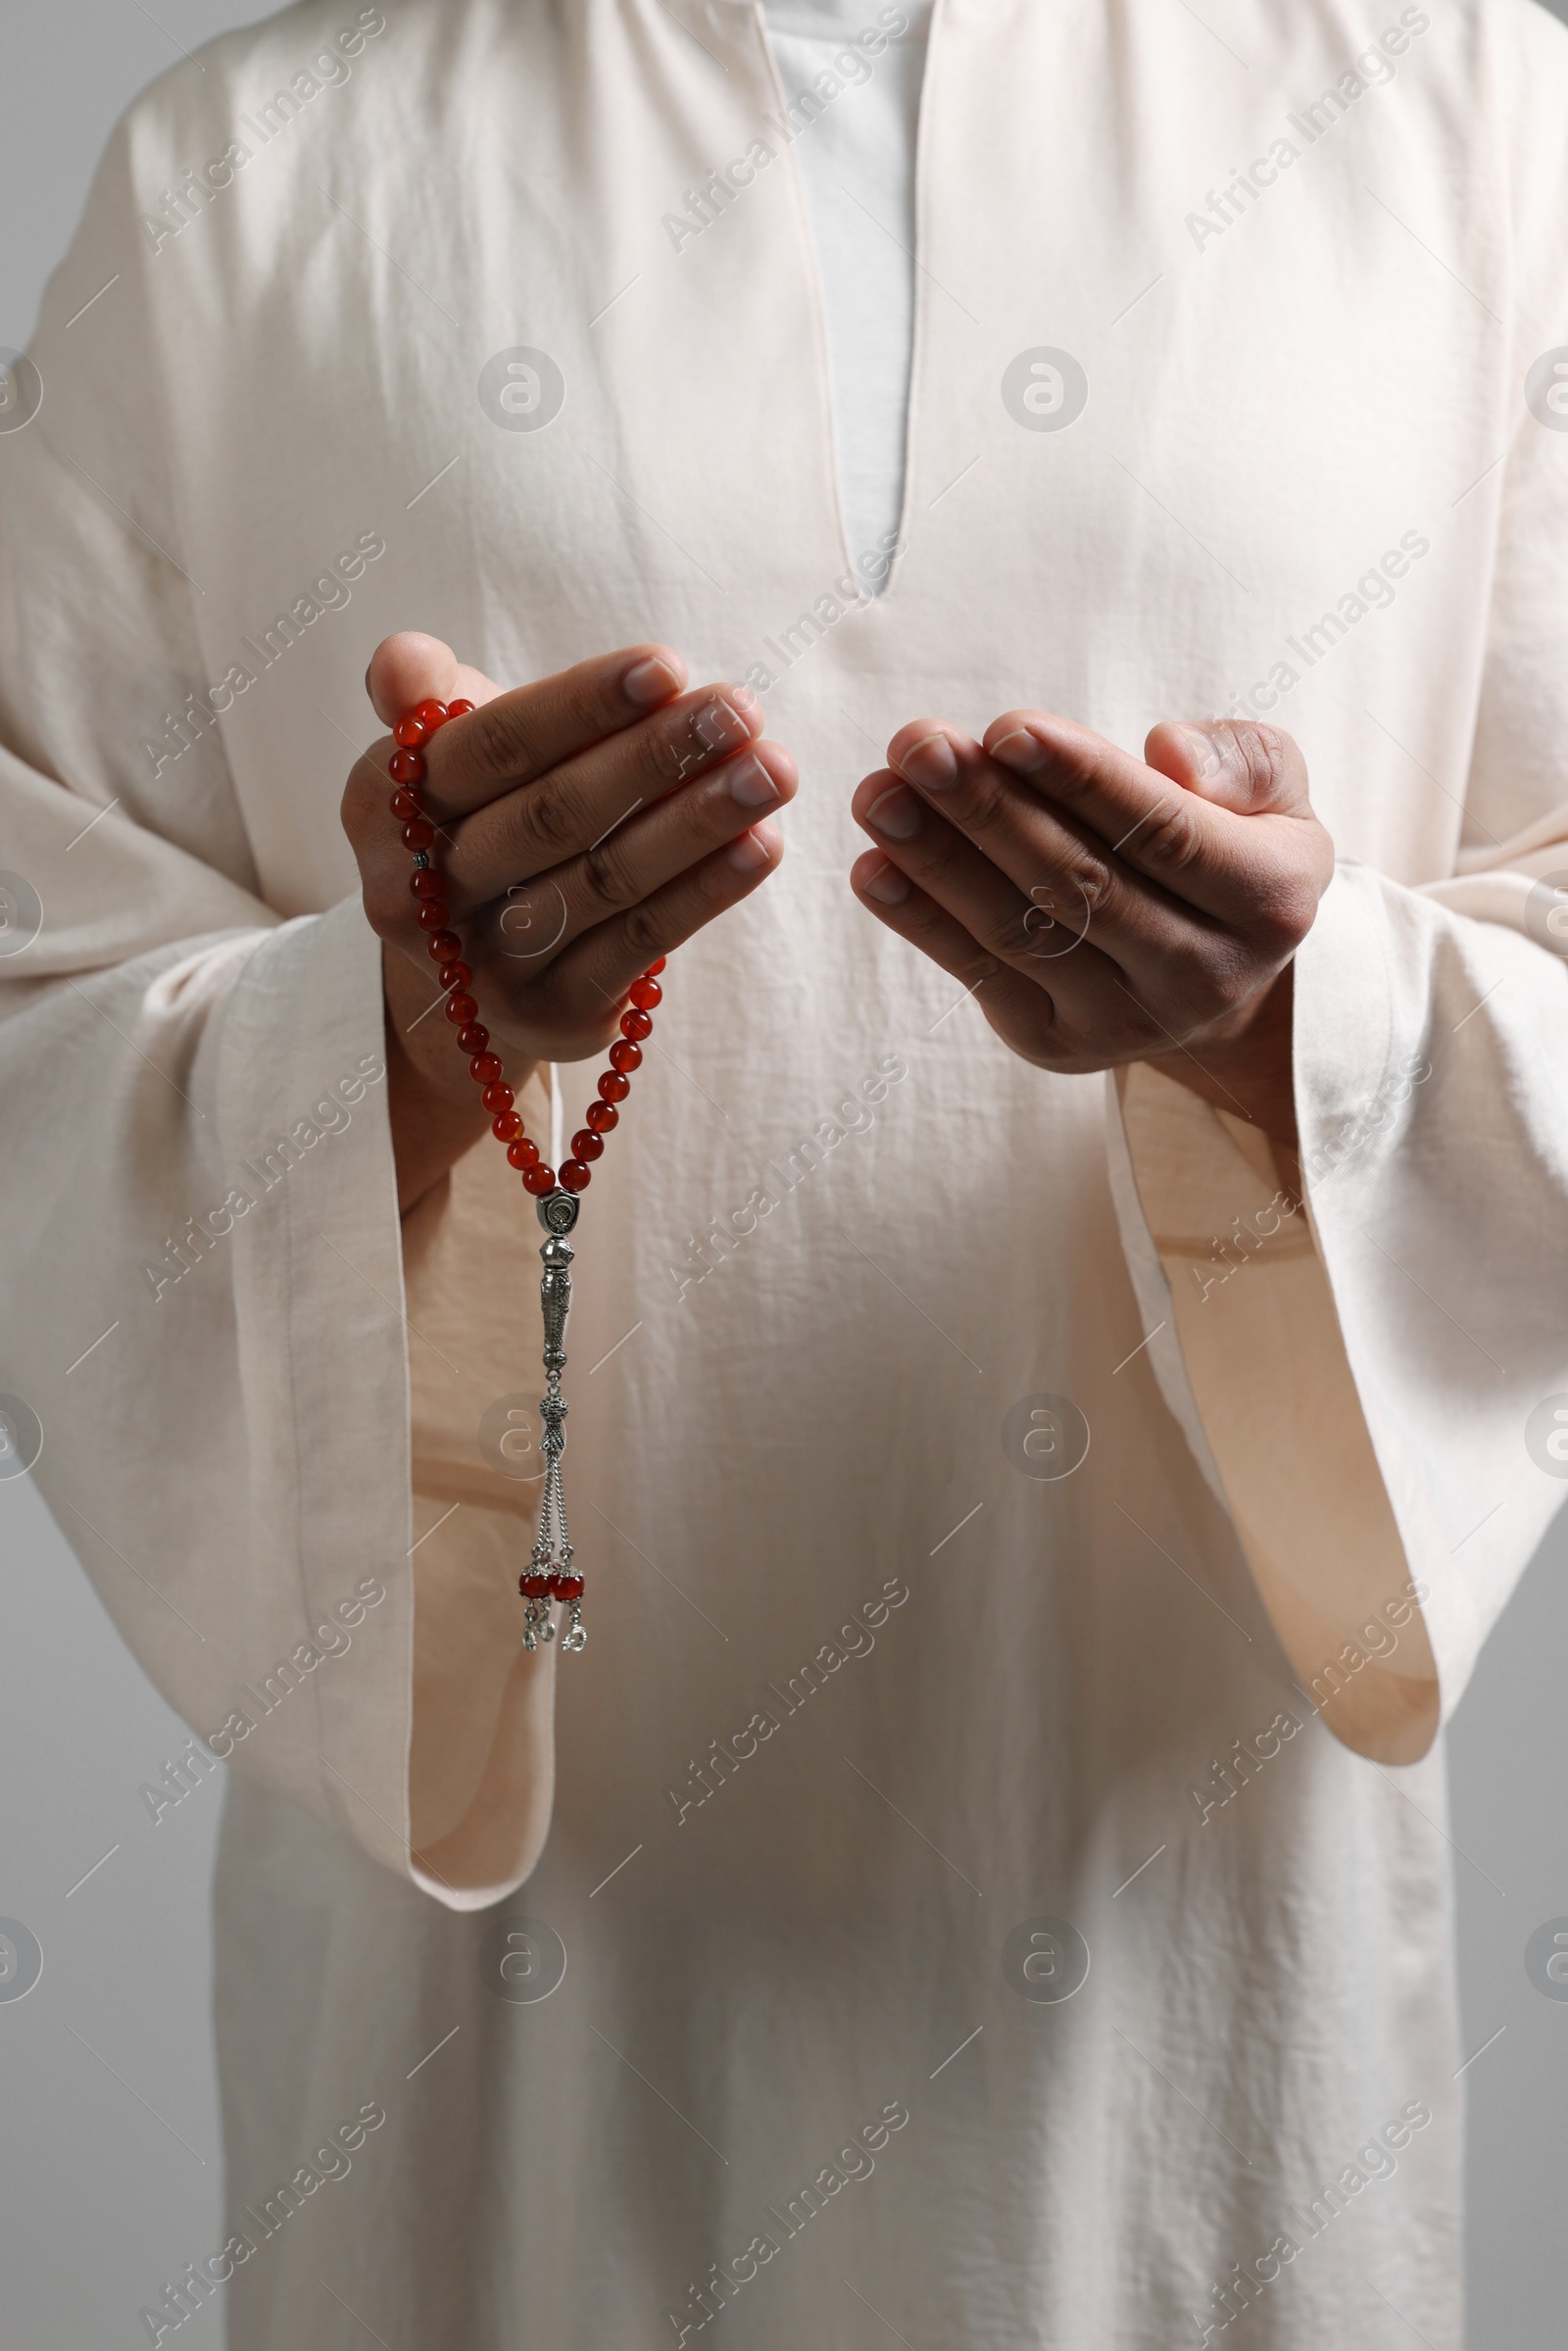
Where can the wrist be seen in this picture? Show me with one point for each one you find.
(1245, 1066)
(434, 1107)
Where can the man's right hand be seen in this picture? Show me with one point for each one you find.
(585, 826)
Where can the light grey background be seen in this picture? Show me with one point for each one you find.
(108, 2149)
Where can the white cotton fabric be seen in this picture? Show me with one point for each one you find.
(848, 1254)
(853, 118)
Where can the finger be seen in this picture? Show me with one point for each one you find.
(1063, 870)
(1126, 929)
(1237, 764)
(535, 827)
(544, 914)
(521, 735)
(1016, 1007)
(1205, 855)
(589, 982)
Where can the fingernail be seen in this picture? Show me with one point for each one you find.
(751, 849)
(1202, 748)
(1020, 752)
(718, 729)
(649, 681)
(751, 784)
(744, 700)
(890, 886)
(931, 761)
(897, 813)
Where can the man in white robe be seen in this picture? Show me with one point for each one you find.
(985, 1879)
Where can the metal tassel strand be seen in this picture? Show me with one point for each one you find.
(549, 1575)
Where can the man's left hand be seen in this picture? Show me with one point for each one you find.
(1106, 910)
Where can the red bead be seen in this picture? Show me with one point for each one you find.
(458, 710)
(409, 733)
(539, 1180)
(405, 804)
(656, 967)
(444, 947)
(506, 1127)
(574, 1177)
(612, 1087)
(525, 1153)
(474, 1037)
(602, 1116)
(625, 1056)
(424, 881)
(434, 915)
(497, 1095)
(418, 833)
(461, 1008)
(586, 1145)
(533, 1585)
(454, 975)
(568, 1587)
(431, 714)
(405, 767)
(635, 1025)
(485, 1068)
(644, 994)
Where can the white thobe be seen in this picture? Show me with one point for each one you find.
(1001, 1521)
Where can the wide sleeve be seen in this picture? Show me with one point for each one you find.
(206, 1364)
(1377, 1385)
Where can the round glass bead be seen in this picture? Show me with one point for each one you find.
(474, 1037)
(444, 948)
(574, 1177)
(656, 967)
(485, 1068)
(458, 710)
(425, 882)
(434, 915)
(636, 1025)
(586, 1145)
(454, 975)
(418, 833)
(602, 1116)
(644, 994)
(405, 767)
(431, 714)
(497, 1095)
(461, 1008)
(405, 804)
(507, 1126)
(539, 1179)
(612, 1087)
(523, 1153)
(408, 733)
(625, 1056)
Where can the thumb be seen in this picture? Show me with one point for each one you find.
(411, 667)
(1234, 763)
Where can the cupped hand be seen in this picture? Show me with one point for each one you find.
(1104, 908)
(585, 825)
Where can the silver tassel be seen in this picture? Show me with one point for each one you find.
(549, 1575)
